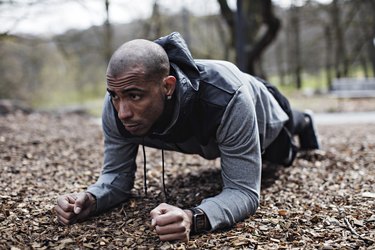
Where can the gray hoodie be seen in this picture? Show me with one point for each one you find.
(219, 112)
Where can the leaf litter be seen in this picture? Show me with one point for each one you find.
(324, 201)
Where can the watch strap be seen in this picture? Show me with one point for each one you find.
(200, 222)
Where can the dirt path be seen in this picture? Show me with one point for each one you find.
(326, 200)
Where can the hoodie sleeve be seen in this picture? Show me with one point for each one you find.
(239, 147)
(117, 176)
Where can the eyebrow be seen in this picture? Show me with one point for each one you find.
(126, 90)
(110, 91)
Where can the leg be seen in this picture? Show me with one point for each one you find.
(304, 128)
(282, 150)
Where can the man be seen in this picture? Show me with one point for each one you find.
(158, 96)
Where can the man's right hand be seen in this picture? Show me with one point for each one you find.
(72, 208)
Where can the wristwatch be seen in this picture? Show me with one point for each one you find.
(200, 221)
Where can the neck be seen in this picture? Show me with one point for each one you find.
(164, 120)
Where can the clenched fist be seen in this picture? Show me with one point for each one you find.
(72, 208)
(171, 223)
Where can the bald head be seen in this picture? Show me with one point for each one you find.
(139, 53)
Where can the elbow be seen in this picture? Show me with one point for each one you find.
(254, 204)
(248, 207)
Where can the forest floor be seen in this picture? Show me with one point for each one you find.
(326, 200)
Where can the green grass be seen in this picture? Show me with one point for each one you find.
(89, 98)
(313, 94)
(310, 82)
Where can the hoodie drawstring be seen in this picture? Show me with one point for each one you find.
(162, 176)
(144, 169)
(145, 172)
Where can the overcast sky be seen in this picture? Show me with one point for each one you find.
(56, 16)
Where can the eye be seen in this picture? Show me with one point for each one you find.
(113, 96)
(135, 97)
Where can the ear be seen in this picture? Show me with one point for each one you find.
(169, 85)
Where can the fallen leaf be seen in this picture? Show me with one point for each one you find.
(368, 195)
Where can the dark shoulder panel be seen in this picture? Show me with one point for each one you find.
(219, 81)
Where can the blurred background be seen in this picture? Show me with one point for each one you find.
(54, 53)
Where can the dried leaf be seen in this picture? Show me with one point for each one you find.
(368, 195)
(283, 212)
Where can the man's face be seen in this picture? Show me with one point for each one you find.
(138, 103)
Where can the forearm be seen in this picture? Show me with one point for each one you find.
(229, 207)
(110, 190)
(241, 175)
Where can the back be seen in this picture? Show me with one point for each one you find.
(228, 78)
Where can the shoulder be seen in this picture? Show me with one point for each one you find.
(221, 74)
(220, 80)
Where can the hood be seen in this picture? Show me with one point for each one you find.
(180, 56)
(187, 74)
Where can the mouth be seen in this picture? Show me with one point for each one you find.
(131, 127)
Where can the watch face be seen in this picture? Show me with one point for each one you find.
(199, 221)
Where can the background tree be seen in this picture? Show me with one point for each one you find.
(365, 26)
(341, 62)
(371, 32)
(70, 67)
(108, 36)
(294, 45)
(153, 26)
(245, 29)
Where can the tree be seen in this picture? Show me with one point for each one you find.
(108, 33)
(153, 27)
(341, 60)
(328, 48)
(295, 48)
(368, 27)
(245, 25)
(353, 18)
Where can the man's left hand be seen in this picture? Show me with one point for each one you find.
(171, 223)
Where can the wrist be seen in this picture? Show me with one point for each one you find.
(199, 221)
(92, 199)
(189, 214)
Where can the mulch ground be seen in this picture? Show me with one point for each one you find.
(326, 200)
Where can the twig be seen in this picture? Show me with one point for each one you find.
(367, 240)
(350, 227)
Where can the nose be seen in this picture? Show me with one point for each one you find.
(124, 111)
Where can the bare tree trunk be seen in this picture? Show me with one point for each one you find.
(186, 26)
(249, 18)
(280, 63)
(364, 66)
(289, 49)
(224, 39)
(108, 34)
(372, 55)
(328, 62)
(371, 43)
(341, 63)
(273, 26)
(240, 40)
(228, 15)
(153, 28)
(296, 43)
